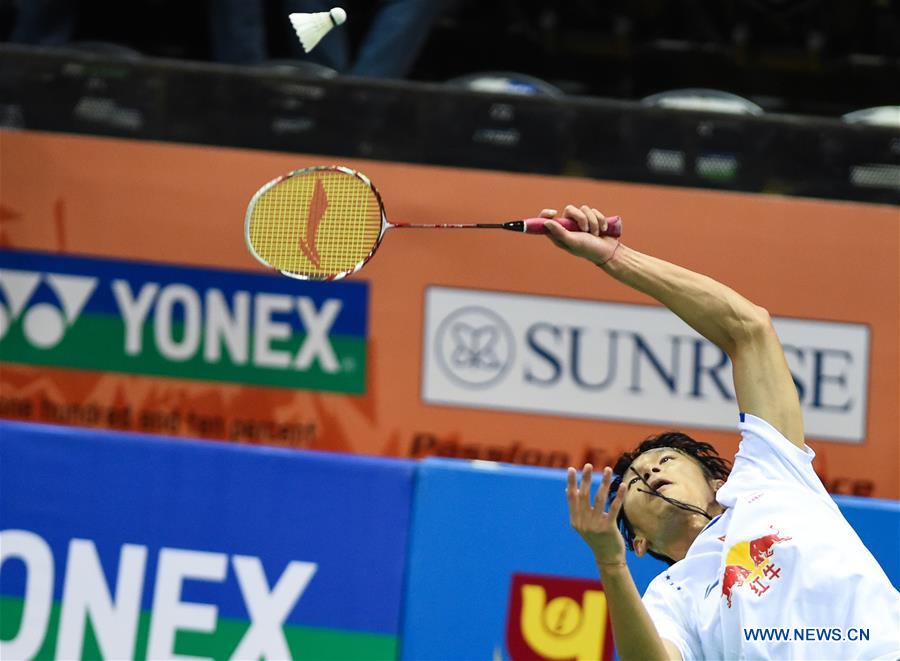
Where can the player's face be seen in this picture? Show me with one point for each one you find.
(672, 474)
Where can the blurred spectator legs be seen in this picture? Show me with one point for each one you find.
(238, 31)
(395, 37)
(45, 22)
(389, 45)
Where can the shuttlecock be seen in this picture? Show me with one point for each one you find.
(310, 28)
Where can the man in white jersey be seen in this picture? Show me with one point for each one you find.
(762, 549)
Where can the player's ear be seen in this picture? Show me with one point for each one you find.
(641, 546)
(716, 484)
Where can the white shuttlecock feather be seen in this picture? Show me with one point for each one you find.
(310, 28)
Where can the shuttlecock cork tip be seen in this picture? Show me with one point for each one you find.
(338, 15)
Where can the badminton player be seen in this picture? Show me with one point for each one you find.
(761, 562)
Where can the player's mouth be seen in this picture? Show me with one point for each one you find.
(659, 483)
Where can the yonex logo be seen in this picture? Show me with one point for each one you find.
(43, 324)
(474, 346)
(86, 596)
(81, 313)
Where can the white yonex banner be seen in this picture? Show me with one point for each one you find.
(627, 362)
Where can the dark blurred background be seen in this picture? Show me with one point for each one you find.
(822, 57)
(796, 97)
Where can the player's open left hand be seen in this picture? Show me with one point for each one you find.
(596, 525)
(587, 243)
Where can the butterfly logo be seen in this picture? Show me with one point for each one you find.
(474, 346)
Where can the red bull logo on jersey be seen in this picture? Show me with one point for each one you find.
(751, 563)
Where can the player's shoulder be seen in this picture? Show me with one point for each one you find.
(759, 435)
(672, 579)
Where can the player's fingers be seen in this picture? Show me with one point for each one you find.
(571, 484)
(571, 494)
(555, 242)
(616, 504)
(559, 234)
(548, 213)
(603, 222)
(578, 216)
(603, 491)
(584, 492)
(593, 220)
(571, 479)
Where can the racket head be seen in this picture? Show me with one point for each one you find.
(317, 223)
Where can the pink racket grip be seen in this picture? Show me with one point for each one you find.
(536, 225)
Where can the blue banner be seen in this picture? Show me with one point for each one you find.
(496, 571)
(168, 546)
(184, 322)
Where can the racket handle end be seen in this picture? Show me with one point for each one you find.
(536, 225)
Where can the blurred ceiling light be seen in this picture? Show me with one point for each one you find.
(887, 116)
(708, 100)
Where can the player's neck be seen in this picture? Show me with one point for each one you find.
(690, 525)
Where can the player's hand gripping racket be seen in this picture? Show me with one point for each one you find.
(324, 223)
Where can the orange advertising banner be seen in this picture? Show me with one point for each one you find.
(128, 300)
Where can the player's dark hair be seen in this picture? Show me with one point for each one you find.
(714, 468)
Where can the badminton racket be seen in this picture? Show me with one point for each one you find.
(325, 222)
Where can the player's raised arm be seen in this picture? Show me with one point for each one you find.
(762, 380)
(633, 630)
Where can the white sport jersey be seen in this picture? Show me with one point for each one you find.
(779, 575)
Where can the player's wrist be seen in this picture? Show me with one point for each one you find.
(609, 557)
(604, 262)
(609, 567)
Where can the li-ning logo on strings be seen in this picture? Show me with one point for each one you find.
(43, 324)
(317, 207)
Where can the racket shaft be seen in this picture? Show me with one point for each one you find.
(529, 225)
(462, 226)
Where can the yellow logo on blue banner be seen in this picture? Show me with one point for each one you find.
(554, 617)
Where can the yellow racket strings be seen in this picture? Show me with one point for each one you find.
(318, 223)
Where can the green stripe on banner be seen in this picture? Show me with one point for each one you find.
(304, 642)
(98, 342)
